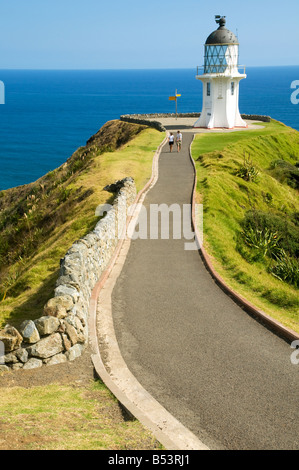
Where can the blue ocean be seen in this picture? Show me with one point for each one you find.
(49, 114)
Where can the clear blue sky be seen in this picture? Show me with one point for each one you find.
(98, 34)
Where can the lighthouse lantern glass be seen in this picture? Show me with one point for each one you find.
(220, 58)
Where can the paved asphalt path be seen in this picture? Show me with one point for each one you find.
(217, 370)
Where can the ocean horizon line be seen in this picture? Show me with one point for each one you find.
(124, 69)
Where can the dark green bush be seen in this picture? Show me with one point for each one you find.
(264, 241)
(285, 228)
(286, 269)
(295, 218)
(274, 236)
(285, 172)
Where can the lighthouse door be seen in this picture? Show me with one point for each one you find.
(208, 104)
(209, 120)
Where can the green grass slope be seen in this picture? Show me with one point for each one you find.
(248, 184)
(68, 417)
(40, 221)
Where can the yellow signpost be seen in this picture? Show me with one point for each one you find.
(175, 98)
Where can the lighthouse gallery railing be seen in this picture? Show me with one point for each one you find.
(220, 68)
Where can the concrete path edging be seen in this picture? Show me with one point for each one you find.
(124, 386)
(269, 322)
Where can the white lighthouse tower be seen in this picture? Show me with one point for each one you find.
(221, 80)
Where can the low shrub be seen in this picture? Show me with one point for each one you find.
(247, 171)
(286, 228)
(264, 241)
(286, 269)
(285, 172)
(272, 236)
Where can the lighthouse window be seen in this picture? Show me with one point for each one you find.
(208, 89)
(220, 57)
(233, 88)
(215, 59)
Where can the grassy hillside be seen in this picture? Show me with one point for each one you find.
(248, 182)
(65, 408)
(41, 220)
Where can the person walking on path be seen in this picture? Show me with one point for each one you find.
(171, 141)
(179, 139)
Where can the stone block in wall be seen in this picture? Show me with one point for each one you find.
(75, 256)
(80, 335)
(47, 347)
(58, 359)
(10, 358)
(80, 315)
(66, 342)
(17, 366)
(71, 280)
(75, 322)
(119, 185)
(29, 332)
(84, 301)
(65, 290)
(22, 355)
(33, 364)
(47, 325)
(59, 306)
(90, 240)
(74, 352)
(11, 338)
(71, 333)
(16, 356)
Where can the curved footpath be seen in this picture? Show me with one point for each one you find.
(213, 367)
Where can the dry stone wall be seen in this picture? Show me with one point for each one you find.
(144, 118)
(256, 117)
(61, 333)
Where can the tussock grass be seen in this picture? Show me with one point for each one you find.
(227, 198)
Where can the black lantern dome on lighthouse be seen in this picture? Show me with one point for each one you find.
(221, 49)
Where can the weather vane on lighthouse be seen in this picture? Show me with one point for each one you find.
(221, 80)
